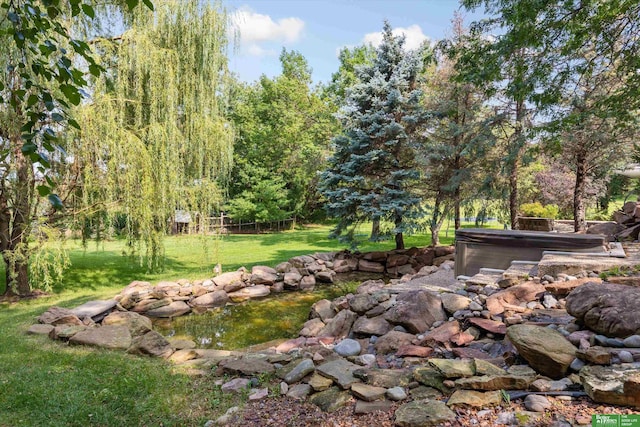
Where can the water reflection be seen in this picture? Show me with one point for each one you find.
(252, 322)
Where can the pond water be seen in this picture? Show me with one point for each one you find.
(253, 322)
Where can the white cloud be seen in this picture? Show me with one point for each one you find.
(413, 37)
(256, 50)
(256, 28)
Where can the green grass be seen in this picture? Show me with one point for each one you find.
(43, 383)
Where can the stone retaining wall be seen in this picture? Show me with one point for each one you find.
(305, 272)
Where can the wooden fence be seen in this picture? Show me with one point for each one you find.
(223, 224)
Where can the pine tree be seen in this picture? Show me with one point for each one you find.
(372, 174)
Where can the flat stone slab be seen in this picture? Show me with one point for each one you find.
(94, 308)
(481, 279)
(440, 281)
(40, 329)
(616, 385)
(175, 309)
(553, 264)
(340, 371)
(115, 337)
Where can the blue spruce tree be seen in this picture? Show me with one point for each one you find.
(372, 175)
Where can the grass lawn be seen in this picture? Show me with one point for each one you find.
(44, 383)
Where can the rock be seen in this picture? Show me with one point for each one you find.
(302, 369)
(340, 325)
(325, 276)
(330, 400)
(340, 371)
(217, 298)
(474, 399)
(488, 325)
(40, 329)
(299, 391)
(423, 414)
(576, 365)
(366, 326)
(348, 347)
(482, 367)
(292, 279)
(153, 344)
(230, 282)
(430, 377)
(495, 382)
(320, 383)
(236, 385)
(596, 354)
(625, 356)
(370, 286)
(514, 296)
(633, 341)
(618, 385)
(345, 265)
(416, 311)
(322, 309)
(115, 337)
(181, 356)
(175, 309)
(361, 303)
(250, 292)
(546, 350)
(563, 288)
(224, 419)
(413, 351)
(312, 328)
(367, 392)
(370, 266)
(259, 394)
(606, 308)
(95, 310)
(247, 366)
(392, 341)
(506, 418)
(454, 302)
(150, 304)
(59, 316)
(454, 368)
(64, 332)
(289, 345)
(536, 403)
(396, 394)
(283, 267)
(307, 283)
(387, 378)
(263, 275)
(442, 333)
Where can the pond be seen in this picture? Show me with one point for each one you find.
(253, 322)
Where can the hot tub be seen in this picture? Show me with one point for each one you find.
(488, 248)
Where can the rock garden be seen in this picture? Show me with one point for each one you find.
(421, 349)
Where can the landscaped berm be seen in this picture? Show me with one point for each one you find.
(513, 347)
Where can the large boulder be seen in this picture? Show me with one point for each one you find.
(607, 308)
(263, 275)
(231, 281)
(546, 350)
(115, 337)
(175, 309)
(217, 298)
(619, 385)
(251, 292)
(136, 323)
(153, 344)
(416, 311)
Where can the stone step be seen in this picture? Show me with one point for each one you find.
(490, 271)
(521, 270)
(481, 279)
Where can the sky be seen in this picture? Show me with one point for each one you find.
(318, 29)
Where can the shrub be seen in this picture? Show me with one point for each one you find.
(538, 210)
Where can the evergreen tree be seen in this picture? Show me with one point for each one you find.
(372, 174)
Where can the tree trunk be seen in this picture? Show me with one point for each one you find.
(513, 173)
(579, 222)
(14, 226)
(456, 208)
(437, 220)
(375, 230)
(399, 237)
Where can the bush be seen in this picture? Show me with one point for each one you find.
(538, 210)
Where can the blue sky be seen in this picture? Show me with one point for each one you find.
(319, 28)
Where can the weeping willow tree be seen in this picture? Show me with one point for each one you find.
(154, 138)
